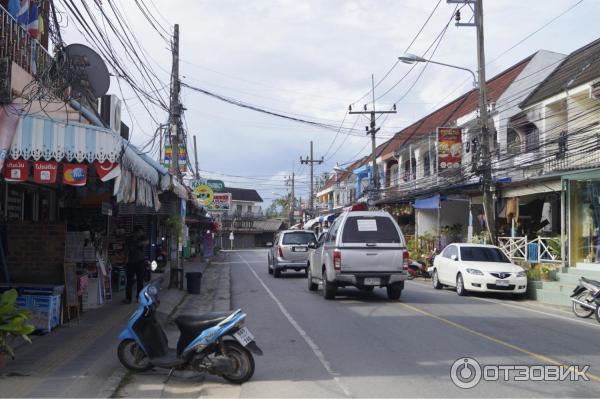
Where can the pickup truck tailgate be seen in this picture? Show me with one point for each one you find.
(371, 259)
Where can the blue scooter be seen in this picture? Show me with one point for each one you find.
(215, 343)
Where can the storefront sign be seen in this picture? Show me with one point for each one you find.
(204, 194)
(75, 174)
(14, 204)
(107, 170)
(449, 148)
(216, 185)
(220, 202)
(45, 172)
(16, 170)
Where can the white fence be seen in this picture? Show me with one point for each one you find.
(538, 250)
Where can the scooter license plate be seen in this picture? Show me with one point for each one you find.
(243, 336)
(502, 283)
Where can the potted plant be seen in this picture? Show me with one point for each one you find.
(548, 273)
(13, 323)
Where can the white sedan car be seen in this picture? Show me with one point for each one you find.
(476, 267)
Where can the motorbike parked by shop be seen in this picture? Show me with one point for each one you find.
(586, 298)
(215, 343)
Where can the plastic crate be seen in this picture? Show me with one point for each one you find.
(45, 310)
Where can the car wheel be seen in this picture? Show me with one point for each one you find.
(460, 285)
(329, 289)
(436, 281)
(276, 272)
(394, 291)
(311, 285)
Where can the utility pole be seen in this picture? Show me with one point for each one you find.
(372, 130)
(196, 158)
(311, 161)
(289, 180)
(485, 169)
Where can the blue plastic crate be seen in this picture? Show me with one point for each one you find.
(45, 310)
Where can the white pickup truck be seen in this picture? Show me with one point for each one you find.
(364, 249)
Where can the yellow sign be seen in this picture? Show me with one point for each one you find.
(204, 193)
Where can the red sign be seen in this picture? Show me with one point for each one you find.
(107, 170)
(449, 147)
(45, 172)
(75, 174)
(16, 170)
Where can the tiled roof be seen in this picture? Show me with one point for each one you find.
(581, 66)
(455, 109)
(243, 194)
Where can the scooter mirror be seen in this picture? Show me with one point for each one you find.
(153, 265)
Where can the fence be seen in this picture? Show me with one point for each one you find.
(538, 250)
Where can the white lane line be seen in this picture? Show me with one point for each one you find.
(309, 341)
(528, 309)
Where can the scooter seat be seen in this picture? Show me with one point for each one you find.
(200, 322)
(590, 281)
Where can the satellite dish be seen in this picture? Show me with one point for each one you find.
(87, 70)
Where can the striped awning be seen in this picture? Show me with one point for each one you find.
(40, 138)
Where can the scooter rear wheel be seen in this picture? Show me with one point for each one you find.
(132, 356)
(243, 362)
(579, 310)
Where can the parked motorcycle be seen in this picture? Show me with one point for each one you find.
(216, 342)
(417, 269)
(586, 298)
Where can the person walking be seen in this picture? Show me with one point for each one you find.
(136, 262)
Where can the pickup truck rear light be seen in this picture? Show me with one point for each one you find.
(337, 259)
(280, 251)
(405, 260)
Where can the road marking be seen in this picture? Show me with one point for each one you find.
(309, 341)
(538, 356)
(529, 309)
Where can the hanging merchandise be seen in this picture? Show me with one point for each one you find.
(107, 170)
(75, 174)
(45, 172)
(16, 170)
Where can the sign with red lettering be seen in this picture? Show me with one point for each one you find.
(107, 170)
(16, 170)
(45, 172)
(75, 174)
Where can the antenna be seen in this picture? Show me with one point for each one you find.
(88, 72)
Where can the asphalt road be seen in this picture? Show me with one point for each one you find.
(364, 345)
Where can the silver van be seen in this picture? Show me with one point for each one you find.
(290, 251)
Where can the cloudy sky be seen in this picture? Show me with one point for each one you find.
(311, 59)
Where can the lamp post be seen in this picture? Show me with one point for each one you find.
(412, 58)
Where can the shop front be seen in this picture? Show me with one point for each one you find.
(583, 219)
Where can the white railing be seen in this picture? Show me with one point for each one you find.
(519, 248)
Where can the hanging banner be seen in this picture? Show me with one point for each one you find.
(16, 170)
(182, 157)
(45, 172)
(107, 170)
(449, 148)
(75, 174)
(220, 202)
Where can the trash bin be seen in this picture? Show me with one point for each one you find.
(194, 279)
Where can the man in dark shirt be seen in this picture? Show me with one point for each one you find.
(136, 262)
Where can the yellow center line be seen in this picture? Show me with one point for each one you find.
(538, 356)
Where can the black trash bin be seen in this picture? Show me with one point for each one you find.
(194, 279)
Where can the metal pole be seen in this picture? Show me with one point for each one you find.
(311, 179)
(196, 158)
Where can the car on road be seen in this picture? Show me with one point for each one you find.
(364, 249)
(477, 267)
(290, 251)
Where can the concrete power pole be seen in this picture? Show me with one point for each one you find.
(311, 161)
(485, 169)
(372, 130)
(196, 158)
(292, 199)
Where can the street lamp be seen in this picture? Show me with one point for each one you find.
(412, 58)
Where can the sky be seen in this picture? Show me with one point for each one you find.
(311, 59)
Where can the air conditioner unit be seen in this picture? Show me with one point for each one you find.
(5, 80)
(110, 112)
(595, 90)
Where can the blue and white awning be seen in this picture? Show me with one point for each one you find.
(46, 139)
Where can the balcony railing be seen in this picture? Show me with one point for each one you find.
(17, 45)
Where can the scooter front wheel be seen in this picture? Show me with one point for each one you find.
(132, 356)
(243, 362)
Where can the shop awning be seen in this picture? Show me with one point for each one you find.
(432, 202)
(40, 138)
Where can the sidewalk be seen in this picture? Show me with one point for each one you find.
(80, 360)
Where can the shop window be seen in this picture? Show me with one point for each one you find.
(584, 216)
(513, 139)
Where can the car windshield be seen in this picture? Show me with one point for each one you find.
(370, 229)
(299, 238)
(482, 254)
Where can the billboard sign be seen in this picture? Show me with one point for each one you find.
(204, 193)
(449, 148)
(216, 185)
(220, 202)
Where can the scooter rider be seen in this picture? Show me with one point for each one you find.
(136, 263)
